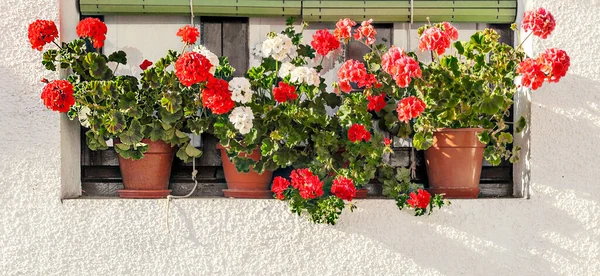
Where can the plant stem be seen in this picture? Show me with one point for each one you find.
(56, 44)
(527, 37)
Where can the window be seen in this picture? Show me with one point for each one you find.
(229, 36)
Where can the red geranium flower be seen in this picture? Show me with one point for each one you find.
(540, 22)
(58, 95)
(554, 63)
(188, 34)
(343, 188)
(280, 184)
(355, 71)
(343, 29)
(420, 199)
(308, 184)
(94, 29)
(410, 107)
(192, 68)
(387, 141)
(367, 30)
(41, 32)
(358, 132)
(284, 92)
(145, 64)
(216, 96)
(376, 102)
(400, 66)
(434, 39)
(324, 42)
(450, 31)
(531, 73)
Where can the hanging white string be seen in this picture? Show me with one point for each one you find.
(192, 11)
(408, 42)
(194, 171)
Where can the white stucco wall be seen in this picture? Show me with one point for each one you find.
(556, 231)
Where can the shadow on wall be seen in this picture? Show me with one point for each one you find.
(557, 231)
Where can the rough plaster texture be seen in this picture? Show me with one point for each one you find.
(556, 232)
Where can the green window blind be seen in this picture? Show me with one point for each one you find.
(244, 8)
(482, 11)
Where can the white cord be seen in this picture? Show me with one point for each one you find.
(192, 11)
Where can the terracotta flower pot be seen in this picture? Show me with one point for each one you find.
(245, 185)
(454, 162)
(149, 176)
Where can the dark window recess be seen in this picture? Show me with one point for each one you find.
(228, 36)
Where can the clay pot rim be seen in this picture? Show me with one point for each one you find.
(465, 129)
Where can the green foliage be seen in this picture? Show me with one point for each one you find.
(470, 90)
(155, 106)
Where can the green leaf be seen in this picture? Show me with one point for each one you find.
(423, 141)
(520, 125)
(484, 137)
(492, 156)
(134, 134)
(168, 117)
(505, 138)
(491, 105)
(192, 151)
(114, 121)
(118, 57)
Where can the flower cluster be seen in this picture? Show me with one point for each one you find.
(241, 91)
(355, 71)
(192, 68)
(241, 117)
(188, 34)
(284, 92)
(279, 47)
(324, 42)
(438, 38)
(410, 107)
(555, 64)
(94, 29)
(216, 96)
(420, 199)
(343, 29)
(540, 22)
(214, 59)
(279, 186)
(343, 188)
(58, 95)
(304, 74)
(308, 184)
(358, 132)
(400, 66)
(550, 66)
(367, 31)
(376, 102)
(41, 32)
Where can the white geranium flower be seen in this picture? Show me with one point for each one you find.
(214, 59)
(278, 47)
(241, 117)
(305, 75)
(241, 91)
(286, 69)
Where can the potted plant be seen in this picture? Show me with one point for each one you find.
(469, 93)
(280, 110)
(148, 118)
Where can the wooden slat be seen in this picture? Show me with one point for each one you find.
(235, 33)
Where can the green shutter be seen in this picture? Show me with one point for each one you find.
(482, 11)
(245, 8)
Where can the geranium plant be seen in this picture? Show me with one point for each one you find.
(473, 84)
(161, 105)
